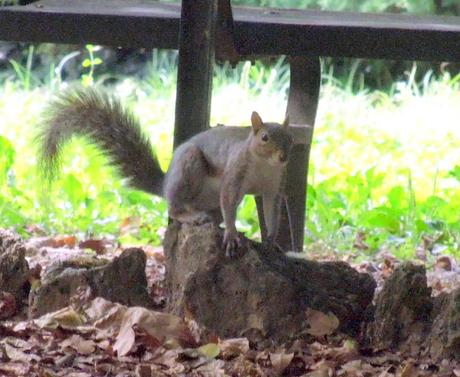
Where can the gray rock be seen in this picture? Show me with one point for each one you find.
(122, 280)
(408, 319)
(14, 269)
(402, 311)
(259, 291)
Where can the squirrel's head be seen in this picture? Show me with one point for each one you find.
(270, 141)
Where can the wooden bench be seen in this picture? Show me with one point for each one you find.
(245, 33)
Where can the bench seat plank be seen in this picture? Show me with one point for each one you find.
(258, 31)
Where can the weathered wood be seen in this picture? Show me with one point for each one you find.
(113, 23)
(302, 105)
(264, 31)
(225, 44)
(195, 68)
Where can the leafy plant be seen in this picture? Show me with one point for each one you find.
(23, 73)
(91, 62)
(379, 177)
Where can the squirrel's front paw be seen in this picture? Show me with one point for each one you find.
(232, 241)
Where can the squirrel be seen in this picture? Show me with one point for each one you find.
(208, 175)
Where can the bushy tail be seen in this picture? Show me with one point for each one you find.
(104, 122)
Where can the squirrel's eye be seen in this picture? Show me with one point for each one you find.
(264, 137)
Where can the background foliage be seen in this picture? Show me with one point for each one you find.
(397, 6)
(384, 174)
(385, 168)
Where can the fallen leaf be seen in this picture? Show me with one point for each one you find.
(106, 315)
(280, 361)
(409, 370)
(79, 344)
(323, 370)
(65, 360)
(16, 369)
(66, 317)
(99, 246)
(64, 240)
(215, 368)
(233, 347)
(210, 350)
(16, 354)
(444, 263)
(156, 252)
(162, 326)
(130, 225)
(321, 324)
(143, 370)
(7, 305)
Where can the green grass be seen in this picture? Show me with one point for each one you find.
(384, 166)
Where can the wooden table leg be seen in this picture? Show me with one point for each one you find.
(195, 68)
(302, 105)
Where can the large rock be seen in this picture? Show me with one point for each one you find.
(402, 311)
(14, 269)
(259, 290)
(407, 317)
(443, 341)
(122, 280)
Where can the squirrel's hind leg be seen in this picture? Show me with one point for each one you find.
(184, 183)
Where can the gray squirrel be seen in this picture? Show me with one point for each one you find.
(208, 176)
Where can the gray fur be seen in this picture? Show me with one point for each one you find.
(103, 121)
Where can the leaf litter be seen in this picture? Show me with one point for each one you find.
(102, 338)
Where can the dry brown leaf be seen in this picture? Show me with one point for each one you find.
(16, 354)
(66, 317)
(156, 252)
(162, 326)
(106, 316)
(280, 361)
(348, 351)
(233, 347)
(244, 367)
(64, 241)
(357, 368)
(214, 368)
(321, 324)
(130, 225)
(143, 370)
(7, 305)
(409, 370)
(15, 369)
(17, 343)
(97, 245)
(323, 370)
(79, 344)
(444, 263)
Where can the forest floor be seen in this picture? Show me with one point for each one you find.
(96, 337)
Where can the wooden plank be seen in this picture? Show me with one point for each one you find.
(126, 23)
(195, 68)
(342, 34)
(259, 31)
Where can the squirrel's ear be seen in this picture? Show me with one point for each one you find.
(286, 122)
(256, 121)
